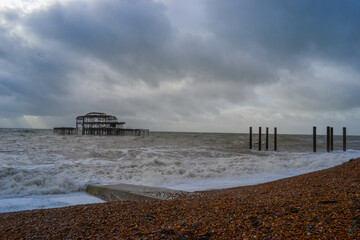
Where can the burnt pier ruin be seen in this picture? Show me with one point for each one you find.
(101, 124)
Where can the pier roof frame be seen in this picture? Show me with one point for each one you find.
(96, 115)
(94, 118)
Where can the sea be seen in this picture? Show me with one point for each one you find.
(39, 169)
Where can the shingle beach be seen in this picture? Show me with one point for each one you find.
(319, 205)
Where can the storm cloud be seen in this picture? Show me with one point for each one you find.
(202, 65)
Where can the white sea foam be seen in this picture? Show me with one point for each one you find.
(46, 201)
(36, 162)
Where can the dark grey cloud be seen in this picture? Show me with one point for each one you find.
(33, 77)
(105, 28)
(289, 35)
(247, 61)
(289, 29)
(131, 36)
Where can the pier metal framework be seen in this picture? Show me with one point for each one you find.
(96, 123)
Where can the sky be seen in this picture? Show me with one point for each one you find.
(182, 65)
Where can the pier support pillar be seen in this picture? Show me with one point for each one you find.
(314, 139)
(259, 138)
(344, 139)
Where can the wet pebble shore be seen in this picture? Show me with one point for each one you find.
(318, 205)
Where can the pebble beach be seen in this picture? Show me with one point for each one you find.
(318, 205)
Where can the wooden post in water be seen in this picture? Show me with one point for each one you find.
(314, 139)
(275, 139)
(344, 139)
(328, 139)
(250, 138)
(267, 139)
(259, 138)
(331, 139)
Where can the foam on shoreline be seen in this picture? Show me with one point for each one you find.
(46, 201)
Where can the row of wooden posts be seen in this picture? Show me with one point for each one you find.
(266, 138)
(329, 139)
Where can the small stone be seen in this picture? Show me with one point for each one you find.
(310, 227)
(255, 223)
(294, 210)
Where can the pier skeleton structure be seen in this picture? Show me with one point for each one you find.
(96, 123)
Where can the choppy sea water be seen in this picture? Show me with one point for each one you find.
(38, 166)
